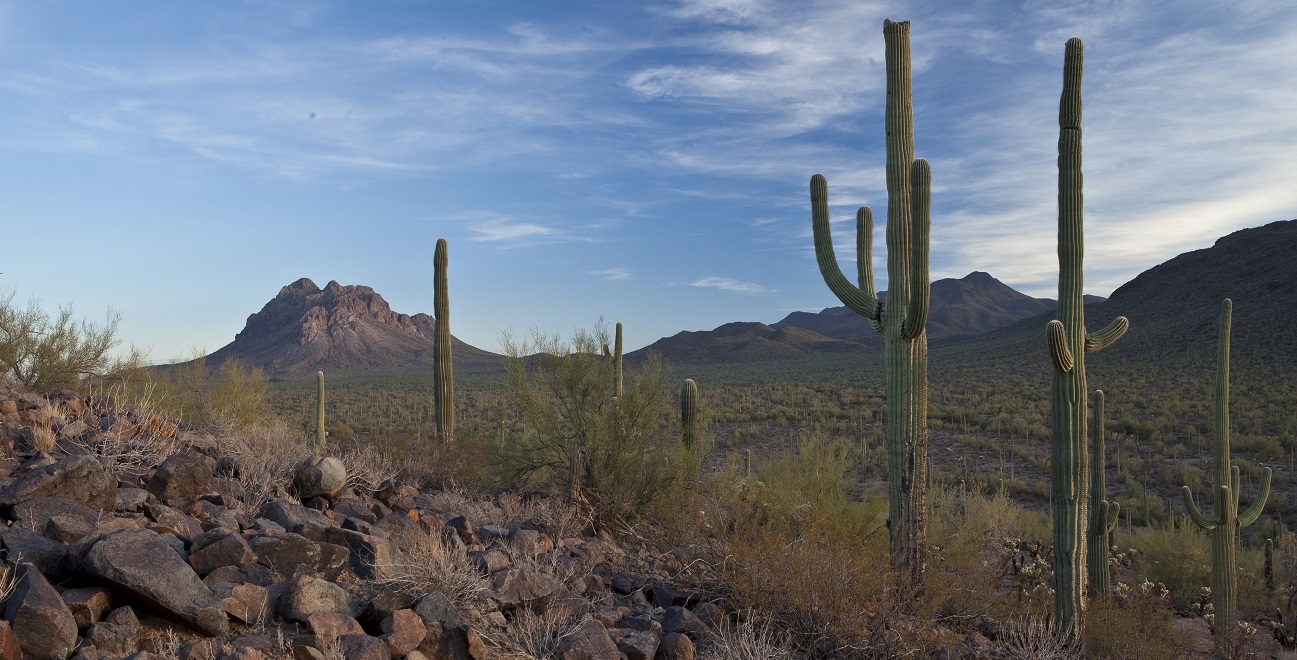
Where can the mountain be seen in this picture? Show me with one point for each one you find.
(1174, 312)
(745, 342)
(973, 304)
(344, 329)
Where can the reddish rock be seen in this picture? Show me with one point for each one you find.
(675, 646)
(87, 604)
(588, 641)
(403, 631)
(329, 626)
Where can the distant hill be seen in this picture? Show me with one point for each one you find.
(745, 342)
(1174, 309)
(340, 329)
(971, 305)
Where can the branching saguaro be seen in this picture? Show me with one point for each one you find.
(1224, 524)
(902, 319)
(443, 392)
(1068, 343)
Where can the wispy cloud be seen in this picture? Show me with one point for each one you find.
(730, 284)
(612, 274)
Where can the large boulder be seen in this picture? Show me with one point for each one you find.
(320, 476)
(141, 566)
(78, 478)
(588, 641)
(182, 476)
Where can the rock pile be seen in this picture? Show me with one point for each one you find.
(174, 558)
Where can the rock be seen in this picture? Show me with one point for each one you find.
(284, 554)
(680, 619)
(296, 518)
(320, 476)
(36, 513)
(42, 621)
(78, 478)
(87, 604)
(309, 595)
(183, 475)
(588, 641)
(675, 646)
(329, 626)
(228, 549)
(138, 562)
(403, 631)
(519, 587)
(462, 528)
(448, 636)
(490, 561)
(638, 644)
(363, 647)
(47, 555)
(10, 646)
(248, 603)
(116, 634)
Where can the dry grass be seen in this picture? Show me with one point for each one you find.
(265, 456)
(434, 565)
(530, 636)
(748, 640)
(1034, 638)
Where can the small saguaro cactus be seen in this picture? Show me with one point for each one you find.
(903, 318)
(1225, 521)
(319, 413)
(1068, 343)
(443, 391)
(616, 364)
(689, 422)
(1104, 515)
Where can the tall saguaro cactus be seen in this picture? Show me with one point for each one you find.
(1103, 514)
(1223, 525)
(319, 413)
(903, 318)
(443, 392)
(689, 421)
(1068, 343)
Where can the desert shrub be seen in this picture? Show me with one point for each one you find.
(1134, 622)
(576, 437)
(747, 640)
(44, 353)
(1179, 558)
(230, 397)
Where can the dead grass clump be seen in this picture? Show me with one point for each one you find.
(433, 565)
(530, 636)
(747, 640)
(1034, 638)
(265, 457)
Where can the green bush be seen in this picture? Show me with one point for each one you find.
(576, 437)
(44, 353)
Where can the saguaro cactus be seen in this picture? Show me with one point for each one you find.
(689, 422)
(443, 392)
(616, 364)
(1068, 343)
(319, 413)
(1103, 514)
(1223, 526)
(903, 318)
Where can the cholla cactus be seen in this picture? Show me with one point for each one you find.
(903, 320)
(1223, 525)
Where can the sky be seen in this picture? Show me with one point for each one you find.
(644, 162)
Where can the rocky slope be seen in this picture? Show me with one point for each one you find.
(130, 537)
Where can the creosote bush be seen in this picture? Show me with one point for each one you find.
(576, 438)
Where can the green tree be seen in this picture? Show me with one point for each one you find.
(612, 452)
(43, 353)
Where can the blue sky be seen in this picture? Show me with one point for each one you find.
(647, 162)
